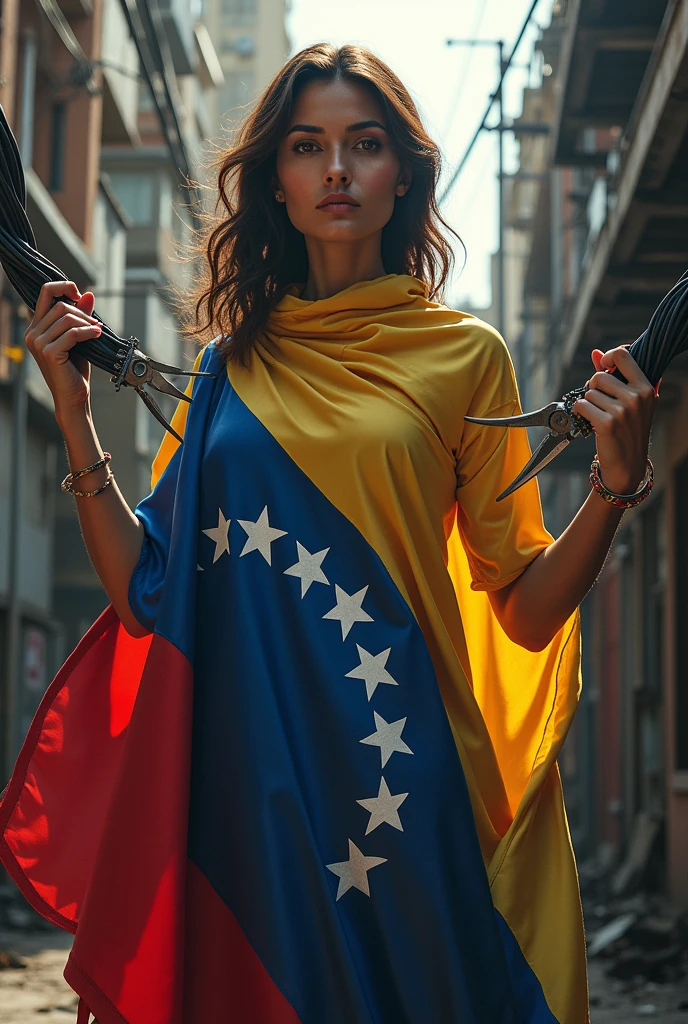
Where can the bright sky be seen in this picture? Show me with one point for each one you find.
(451, 86)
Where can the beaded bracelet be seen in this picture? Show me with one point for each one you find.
(68, 482)
(622, 500)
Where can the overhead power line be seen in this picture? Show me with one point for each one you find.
(479, 16)
(63, 29)
(507, 64)
(157, 71)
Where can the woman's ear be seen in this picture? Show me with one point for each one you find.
(404, 182)
(277, 190)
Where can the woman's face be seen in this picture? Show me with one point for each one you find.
(337, 147)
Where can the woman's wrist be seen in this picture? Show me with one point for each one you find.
(81, 441)
(73, 417)
(621, 481)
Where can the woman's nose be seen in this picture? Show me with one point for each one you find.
(337, 174)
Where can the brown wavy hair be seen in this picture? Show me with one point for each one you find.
(249, 252)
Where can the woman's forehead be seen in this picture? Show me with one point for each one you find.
(336, 104)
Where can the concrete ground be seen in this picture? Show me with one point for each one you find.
(38, 994)
(613, 1002)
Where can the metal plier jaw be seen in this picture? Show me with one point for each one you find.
(135, 368)
(563, 424)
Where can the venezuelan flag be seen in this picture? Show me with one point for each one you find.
(323, 788)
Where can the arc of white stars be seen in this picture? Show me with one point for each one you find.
(260, 535)
(219, 534)
(384, 808)
(387, 737)
(348, 609)
(372, 669)
(308, 568)
(353, 873)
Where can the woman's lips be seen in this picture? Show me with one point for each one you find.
(338, 207)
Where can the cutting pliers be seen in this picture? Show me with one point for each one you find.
(130, 367)
(134, 369)
(563, 424)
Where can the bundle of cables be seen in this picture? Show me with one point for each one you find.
(666, 336)
(27, 270)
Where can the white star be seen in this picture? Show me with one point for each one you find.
(308, 568)
(199, 567)
(348, 609)
(260, 535)
(353, 873)
(220, 534)
(372, 669)
(387, 737)
(384, 808)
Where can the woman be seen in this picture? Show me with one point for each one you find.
(356, 815)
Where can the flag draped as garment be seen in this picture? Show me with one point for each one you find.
(323, 788)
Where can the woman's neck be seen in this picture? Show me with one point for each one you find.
(334, 266)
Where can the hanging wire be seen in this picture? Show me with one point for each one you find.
(28, 270)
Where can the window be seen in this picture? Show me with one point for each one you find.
(136, 192)
(681, 613)
(57, 147)
(654, 576)
(237, 90)
(145, 101)
(238, 12)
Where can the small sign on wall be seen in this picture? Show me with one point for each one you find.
(35, 660)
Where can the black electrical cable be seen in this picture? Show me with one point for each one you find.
(507, 64)
(28, 270)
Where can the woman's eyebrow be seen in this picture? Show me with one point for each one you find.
(312, 129)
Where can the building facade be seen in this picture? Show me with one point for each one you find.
(116, 104)
(600, 202)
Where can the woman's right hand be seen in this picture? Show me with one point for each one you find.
(53, 331)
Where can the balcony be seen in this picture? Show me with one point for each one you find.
(120, 87)
(638, 215)
(179, 18)
(604, 60)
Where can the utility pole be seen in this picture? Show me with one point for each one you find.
(500, 129)
(14, 646)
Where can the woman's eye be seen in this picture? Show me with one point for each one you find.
(369, 145)
(298, 147)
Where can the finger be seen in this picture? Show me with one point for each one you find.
(610, 385)
(63, 328)
(86, 302)
(598, 418)
(46, 295)
(603, 401)
(53, 316)
(597, 354)
(58, 350)
(622, 359)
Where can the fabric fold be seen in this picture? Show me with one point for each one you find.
(327, 753)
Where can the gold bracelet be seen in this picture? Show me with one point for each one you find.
(622, 500)
(89, 494)
(68, 482)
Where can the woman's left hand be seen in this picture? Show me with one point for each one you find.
(621, 415)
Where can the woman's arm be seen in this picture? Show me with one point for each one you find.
(113, 535)
(535, 606)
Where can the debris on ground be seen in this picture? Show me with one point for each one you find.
(637, 939)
